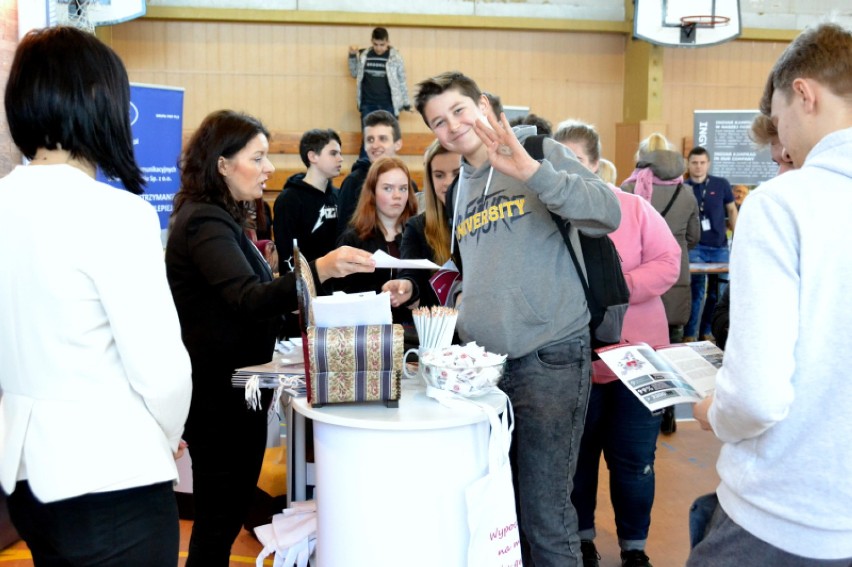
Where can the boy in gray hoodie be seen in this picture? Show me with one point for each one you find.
(522, 295)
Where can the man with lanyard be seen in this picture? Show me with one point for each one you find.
(715, 203)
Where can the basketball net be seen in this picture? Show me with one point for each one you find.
(71, 13)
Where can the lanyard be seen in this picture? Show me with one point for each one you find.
(703, 186)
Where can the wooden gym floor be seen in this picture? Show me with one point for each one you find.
(685, 469)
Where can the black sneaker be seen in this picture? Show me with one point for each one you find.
(591, 556)
(634, 558)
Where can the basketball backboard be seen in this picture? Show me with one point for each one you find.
(686, 23)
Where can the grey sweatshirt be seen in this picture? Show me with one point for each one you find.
(521, 291)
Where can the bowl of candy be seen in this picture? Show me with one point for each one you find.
(468, 369)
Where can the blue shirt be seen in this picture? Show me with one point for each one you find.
(713, 196)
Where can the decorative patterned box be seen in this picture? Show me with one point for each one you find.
(347, 364)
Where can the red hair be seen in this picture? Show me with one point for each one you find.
(365, 221)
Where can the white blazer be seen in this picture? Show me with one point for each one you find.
(96, 381)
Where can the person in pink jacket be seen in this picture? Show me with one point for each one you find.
(617, 423)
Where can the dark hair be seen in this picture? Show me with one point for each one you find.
(822, 53)
(67, 88)
(380, 34)
(223, 133)
(495, 103)
(384, 118)
(697, 151)
(314, 141)
(262, 218)
(365, 220)
(580, 132)
(542, 125)
(439, 84)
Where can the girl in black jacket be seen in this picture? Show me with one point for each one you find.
(385, 205)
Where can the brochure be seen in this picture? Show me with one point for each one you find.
(665, 375)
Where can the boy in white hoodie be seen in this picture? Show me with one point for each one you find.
(785, 496)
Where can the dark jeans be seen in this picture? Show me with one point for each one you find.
(699, 317)
(625, 431)
(137, 527)
(675, 334)
(365, 110)
(227, 454)
(549, 390)
(726, 544)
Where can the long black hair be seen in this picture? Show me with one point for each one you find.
(68, 89)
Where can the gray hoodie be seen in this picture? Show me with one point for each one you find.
(521, 290)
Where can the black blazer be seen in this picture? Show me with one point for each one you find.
(228, 303)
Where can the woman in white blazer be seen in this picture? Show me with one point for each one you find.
(96, 381)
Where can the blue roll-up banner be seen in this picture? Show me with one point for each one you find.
(156, 117)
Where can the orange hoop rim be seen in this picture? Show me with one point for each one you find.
(704, 21)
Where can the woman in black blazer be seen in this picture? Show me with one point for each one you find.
(230, 308)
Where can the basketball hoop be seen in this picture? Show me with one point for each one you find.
(704, 21)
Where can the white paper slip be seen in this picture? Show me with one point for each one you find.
(341, 298)
(348, 309)
(385, 260)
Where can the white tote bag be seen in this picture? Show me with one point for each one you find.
(291, 537)
(491, 518)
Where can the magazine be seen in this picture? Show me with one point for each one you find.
(665, 375)
(445, 282)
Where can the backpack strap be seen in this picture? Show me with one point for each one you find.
(672, 200)
(566, 235)
(534, 145)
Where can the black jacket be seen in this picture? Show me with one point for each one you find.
(415, 247)
(350, 192)
(372, 281)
